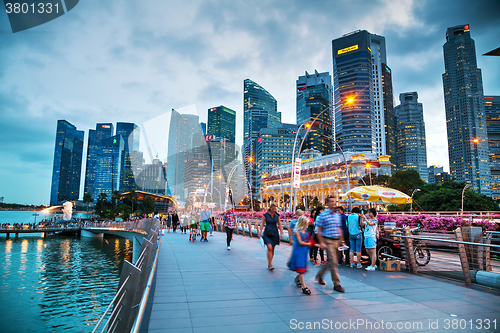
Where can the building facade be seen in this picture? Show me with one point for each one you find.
(109, 168)
(389, 116)
(465, 116)
(131, 134)
(492, 109)
(433, 170)
(411, 149)
(67, 166)
(94, 147)
(152, 178)
(314, 94)
(324, 176)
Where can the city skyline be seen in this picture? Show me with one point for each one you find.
(123, 68)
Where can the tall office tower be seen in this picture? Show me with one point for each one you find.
(102, 131)
(314, 94)
(464, 105)
(433, 170)
(182, 129)
(492, 109)
(359, 63)
(109, 166)
(67, 167)
(204, 128)
(152, 178)
(411, 150)
(130, 134)
(259, 111)
(389, 118)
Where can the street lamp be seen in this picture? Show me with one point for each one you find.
(411, 203)
(463, 192)
(334, 142)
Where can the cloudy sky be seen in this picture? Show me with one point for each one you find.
(109, 61)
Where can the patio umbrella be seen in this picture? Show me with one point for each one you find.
(378, 194)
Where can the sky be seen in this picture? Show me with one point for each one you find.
(133, 61)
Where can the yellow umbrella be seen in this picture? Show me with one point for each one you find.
(378, 194)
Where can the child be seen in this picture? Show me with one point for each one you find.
(298, 260)
(192, 228)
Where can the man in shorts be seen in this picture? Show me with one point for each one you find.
(204, 223)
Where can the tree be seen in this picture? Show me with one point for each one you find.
(132, 197)
(147, 205)
(382, 180)
(102, 205)
(87, 199)
(115, 199)
(406, 181)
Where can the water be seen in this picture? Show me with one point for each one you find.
(58, 283)
(26, 216)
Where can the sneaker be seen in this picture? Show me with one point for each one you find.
(370, 268)
(320, 281)
(351, 265)
(206, 240)
(339, 288)
(229, 247)
(359, 266)
(375, 266)
(201, 239)
(323, 263)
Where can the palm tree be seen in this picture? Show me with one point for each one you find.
(87, 199)
(133, 196)
(116, 197)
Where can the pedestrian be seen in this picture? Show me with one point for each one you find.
(355, 237)
(298, 260)
(271, 236)
(344, 255)
(371, 224)
(175, 220)
(229, 226)
(192, 227)
(315, 249)
(204, 223)
(212, 223)
(184, 223)
(291, 226)
(169, 222)
(329, 231)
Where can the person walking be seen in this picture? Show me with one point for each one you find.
(271, 236)
(204, 223)
(169, 222)
(298, 260)
(371, 237)
(329, 231)
(345, 233)
(355, 237)
(175, 220)
(291, 226)
(229, 226)
(313, 253)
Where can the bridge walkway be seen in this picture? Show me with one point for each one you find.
(202, 287)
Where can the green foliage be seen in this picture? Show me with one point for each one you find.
(124, 211)
(382, 180)
(406, 181)
(147, 205)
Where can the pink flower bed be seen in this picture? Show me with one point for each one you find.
(428, 222)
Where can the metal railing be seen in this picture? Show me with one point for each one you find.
(135, 281)
(248, 226)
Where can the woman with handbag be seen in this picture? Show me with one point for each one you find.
(271, 236)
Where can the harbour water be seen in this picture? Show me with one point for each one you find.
(58, 283)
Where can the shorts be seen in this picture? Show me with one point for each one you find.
(204, 226)
(355, 242)
(370, 242)
(193, 226)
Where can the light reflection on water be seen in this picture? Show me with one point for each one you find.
(59, 283)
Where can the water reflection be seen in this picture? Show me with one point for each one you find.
(60, 283)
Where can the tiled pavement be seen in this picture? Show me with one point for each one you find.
(203, 287)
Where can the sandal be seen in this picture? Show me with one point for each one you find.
(306, 291)
(270, 267)
(298, 283)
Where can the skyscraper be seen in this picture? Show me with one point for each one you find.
(108, 168)
(94, 147)
(175, 118)
(130, 134)
(314, 94)
(465, 116)
(67, 167)
(361, 92)
(492, 109)
(433, 170)
(259, 111)
(411, 150)
(222, 123)
(389, 118)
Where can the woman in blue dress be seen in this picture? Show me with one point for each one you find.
(271, 237)
(298, 260)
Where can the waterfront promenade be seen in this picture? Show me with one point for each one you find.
(203, 287)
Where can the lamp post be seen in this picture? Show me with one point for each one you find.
(411, 203)
(334, 142)
(463, 192)
(35, 215)
(368, 166)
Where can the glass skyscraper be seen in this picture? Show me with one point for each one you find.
(411, 150)
(67, 167)
(94, 147)
(465, 115)
(362, 85)
(131, 166)
(492, 109)
(109, 166)
(314, 94)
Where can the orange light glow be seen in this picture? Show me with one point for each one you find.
(350, 100)
(475, 140)
(308, 125)
(368, 165)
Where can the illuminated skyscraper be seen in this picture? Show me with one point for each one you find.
(102, 131)
(130, 134)
(411, 151)
(465, 116)
(67, 167)
(492, 109)
(314, 94)
(108, 168)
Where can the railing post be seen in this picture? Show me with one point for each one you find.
(487, 251)
(410, 254)
(463, 257)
